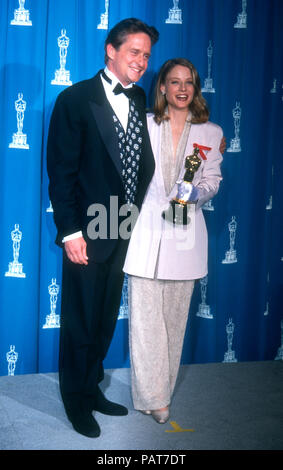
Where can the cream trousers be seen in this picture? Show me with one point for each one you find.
(157, 323)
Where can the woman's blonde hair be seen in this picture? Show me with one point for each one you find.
(197, 107)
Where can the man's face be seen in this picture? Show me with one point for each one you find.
(130, 61)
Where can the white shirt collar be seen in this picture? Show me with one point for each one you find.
(114, 79)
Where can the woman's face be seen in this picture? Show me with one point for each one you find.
(178, 88)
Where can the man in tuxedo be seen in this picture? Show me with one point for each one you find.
(98, 156)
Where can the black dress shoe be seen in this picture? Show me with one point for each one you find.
(101, 404)
(84, 423)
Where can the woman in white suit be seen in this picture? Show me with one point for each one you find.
(163, 258)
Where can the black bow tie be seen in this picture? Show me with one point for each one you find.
(129, 92)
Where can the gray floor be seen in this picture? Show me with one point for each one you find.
(216, 407)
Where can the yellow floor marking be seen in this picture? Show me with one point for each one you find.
(177, 428)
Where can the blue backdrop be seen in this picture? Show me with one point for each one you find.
(236, 312)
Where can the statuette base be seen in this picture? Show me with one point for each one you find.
(21, 18)
(62, 77)
(19, 141)
(15, 270)
(177, 213)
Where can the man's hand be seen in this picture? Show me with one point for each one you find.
(76, 250)
(222, 147)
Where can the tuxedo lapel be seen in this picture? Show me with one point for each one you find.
(103, 115)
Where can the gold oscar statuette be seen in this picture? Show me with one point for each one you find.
(177, 211)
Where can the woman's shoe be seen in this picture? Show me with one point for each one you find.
(161, 416)
(145, 412)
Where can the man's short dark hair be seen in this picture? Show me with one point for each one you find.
(118, 34)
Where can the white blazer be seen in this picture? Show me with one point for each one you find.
(157, 248)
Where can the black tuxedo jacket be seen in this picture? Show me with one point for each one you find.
(84, 166)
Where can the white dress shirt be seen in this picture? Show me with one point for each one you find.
(120, 105)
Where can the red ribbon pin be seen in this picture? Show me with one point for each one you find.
(201, 150)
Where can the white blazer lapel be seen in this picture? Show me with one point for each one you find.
(155, 139)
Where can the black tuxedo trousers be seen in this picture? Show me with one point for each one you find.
(89, 313)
